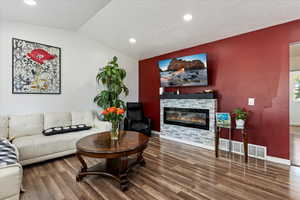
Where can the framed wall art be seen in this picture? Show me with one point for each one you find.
(36, 68)
(223, 120)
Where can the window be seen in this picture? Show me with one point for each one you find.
(297, 87)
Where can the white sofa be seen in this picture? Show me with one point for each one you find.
(25, 131)
(10, 179)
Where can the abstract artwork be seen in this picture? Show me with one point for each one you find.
(36, 68)
(184, 71)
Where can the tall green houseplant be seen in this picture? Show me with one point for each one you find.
(112, 78)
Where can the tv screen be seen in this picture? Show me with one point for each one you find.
(184, 71)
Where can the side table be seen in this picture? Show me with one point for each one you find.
(245, 141)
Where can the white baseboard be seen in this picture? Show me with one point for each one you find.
(155, 132)
(187, 142)
(269, 158)
(279, 160)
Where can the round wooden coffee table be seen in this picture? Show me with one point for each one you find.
(116, 154)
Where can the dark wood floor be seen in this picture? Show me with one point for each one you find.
(173, 171)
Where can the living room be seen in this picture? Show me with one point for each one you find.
(111, 99)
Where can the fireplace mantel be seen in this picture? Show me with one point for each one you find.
(209, 95)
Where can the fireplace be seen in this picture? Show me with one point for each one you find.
(188, 117)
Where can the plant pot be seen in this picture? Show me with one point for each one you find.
(114, 133)
(240, 123)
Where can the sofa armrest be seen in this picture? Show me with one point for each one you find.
(102, 125)
(10, 181)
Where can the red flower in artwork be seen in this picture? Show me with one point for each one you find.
(40, 55)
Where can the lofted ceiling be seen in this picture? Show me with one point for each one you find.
(66, 14)
(157, 25)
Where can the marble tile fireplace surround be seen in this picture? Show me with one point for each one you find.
(190, 121)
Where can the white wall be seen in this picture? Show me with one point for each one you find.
(81, 59)
(294, 105)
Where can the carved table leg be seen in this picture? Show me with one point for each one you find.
(123, 173)
(140, 159)
(83, 168)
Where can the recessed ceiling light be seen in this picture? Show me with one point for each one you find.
(187, 17)
(30, 2)
(132, 40)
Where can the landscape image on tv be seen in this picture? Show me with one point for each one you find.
(184, 71)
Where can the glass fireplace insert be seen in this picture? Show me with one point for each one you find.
(188, 117)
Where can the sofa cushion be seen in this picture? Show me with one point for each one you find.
(25, 125)
(3, 127)
(82, 118)
(138, 126)
(102, 125)
(39, 145)
(57, 119)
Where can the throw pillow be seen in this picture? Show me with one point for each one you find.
(8, 155)
(66, 129)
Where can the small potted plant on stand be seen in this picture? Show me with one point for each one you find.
(112, 78)
(240, 117)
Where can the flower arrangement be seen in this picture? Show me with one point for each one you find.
(114, 115)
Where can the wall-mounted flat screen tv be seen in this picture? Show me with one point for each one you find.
(184, 71)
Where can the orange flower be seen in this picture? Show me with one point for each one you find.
(112, 109)
(104, 112)
(120, 111)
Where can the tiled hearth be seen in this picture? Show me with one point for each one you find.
(196, 136)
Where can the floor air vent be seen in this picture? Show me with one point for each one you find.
(255, 151)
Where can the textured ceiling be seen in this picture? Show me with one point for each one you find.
(66, 14)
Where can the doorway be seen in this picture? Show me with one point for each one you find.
(294, 96)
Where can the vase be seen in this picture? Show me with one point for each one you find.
(240, 124)
(114, 133)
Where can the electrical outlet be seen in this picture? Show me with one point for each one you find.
(251, 101)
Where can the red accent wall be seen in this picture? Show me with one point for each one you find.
(254, 64)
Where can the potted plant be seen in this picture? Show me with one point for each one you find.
(112, 78)
(240, 117)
